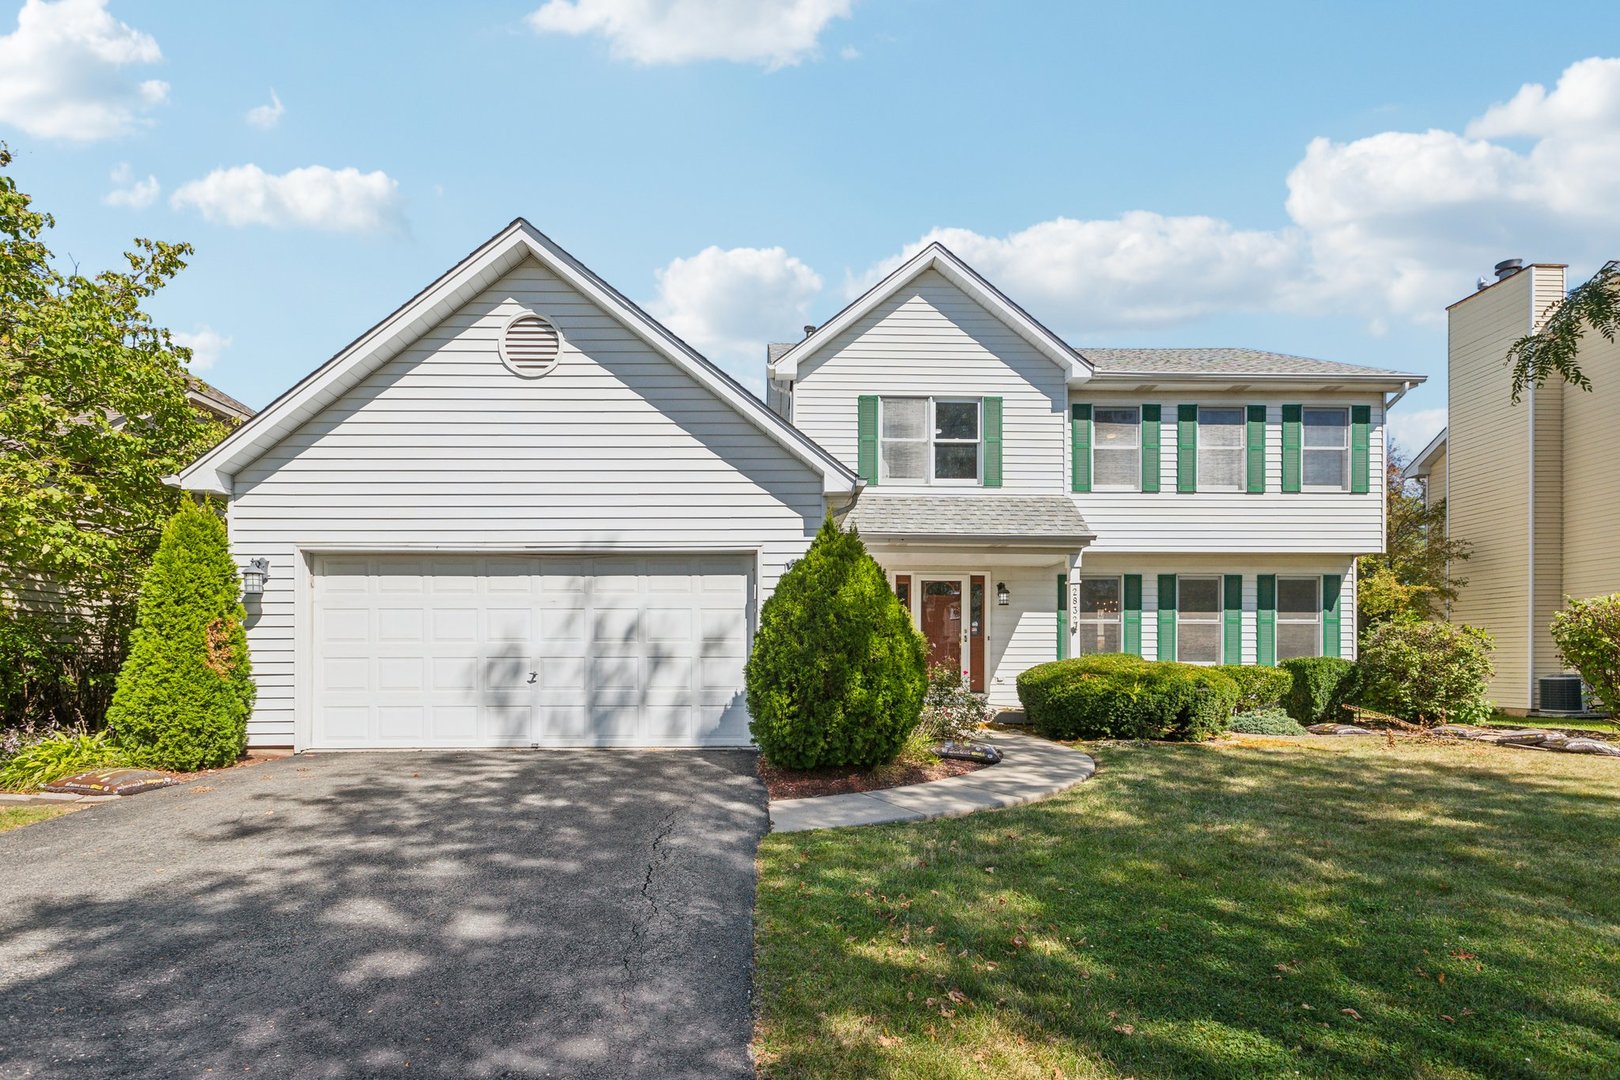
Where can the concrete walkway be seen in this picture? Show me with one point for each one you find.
(1030, 769)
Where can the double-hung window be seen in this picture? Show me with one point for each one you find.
(1097, 626)
(1221, 461)
(1327, 449)
(1116, 449)
(1198, 620)
(1299, 617)
(930, 440)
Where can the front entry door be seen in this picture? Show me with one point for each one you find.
(940, 613)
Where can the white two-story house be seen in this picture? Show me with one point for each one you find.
(1032, 500)
(518, 511)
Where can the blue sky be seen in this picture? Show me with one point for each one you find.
(1312, 179)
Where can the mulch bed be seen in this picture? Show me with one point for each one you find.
(805, 783)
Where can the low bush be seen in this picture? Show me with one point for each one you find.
(950, 710)
(1258, 687)
(1588, 637)
(1271, 721)
(1113, 696)
(1427, 672)
(838, 671)
(57, 755)
(1320, 685)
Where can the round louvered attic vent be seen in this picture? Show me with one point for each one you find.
(530, 346)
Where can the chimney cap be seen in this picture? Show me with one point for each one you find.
(1507, 268)
(809, 328)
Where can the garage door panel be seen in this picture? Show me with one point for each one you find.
(625, 650)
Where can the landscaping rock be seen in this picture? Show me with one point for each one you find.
(987, 753)
(1337, 729)
(1591, 746)
(111, 782)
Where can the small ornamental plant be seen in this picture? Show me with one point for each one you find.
(1587, 634)
(837, 674)
(185, 691)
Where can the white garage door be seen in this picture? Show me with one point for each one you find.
(530, 651)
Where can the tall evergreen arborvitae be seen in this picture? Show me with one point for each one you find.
(838, 672)
(185, 691)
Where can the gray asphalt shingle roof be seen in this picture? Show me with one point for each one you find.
(976, 517)
(1217, 362)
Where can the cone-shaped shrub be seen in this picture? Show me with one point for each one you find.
(185, 691)
(837, 675)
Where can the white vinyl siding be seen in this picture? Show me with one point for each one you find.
(444, 449)
(1236, 521)
(932, 340)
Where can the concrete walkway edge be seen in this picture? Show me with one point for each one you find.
(1030, 769)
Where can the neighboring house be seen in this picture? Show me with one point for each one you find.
(1032, 500)
(1533, 487)
(520, 512)
(214, 402)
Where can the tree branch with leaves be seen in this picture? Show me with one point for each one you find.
(1555, 347)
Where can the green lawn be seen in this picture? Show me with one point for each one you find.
(1214, 911)
(1554, 723)
(13, 817)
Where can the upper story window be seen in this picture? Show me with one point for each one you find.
(1327, 449)
(930, 440)
(1221, 462)
(1198, 620)
(1116, 449)
(1097, 623)
(1299, 617)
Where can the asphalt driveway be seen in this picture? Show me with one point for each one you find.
(570, 914)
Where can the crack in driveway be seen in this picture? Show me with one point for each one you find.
(639, 927)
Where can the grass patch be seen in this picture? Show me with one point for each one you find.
(1553, 723)
(1251, 909)
(15, 817)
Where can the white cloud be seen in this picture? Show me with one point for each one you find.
(729, 303)
(773, 33)
(265, 117)
(316, 197)
(1411, 430)
(63, 72)
(133, 194)
(206, 345)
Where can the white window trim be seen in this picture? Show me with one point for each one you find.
(1136, 485)
(1080, 619)
(1212, 618)
(1315, 620)
(931, 440)
(1304, 450)
(1241, 450)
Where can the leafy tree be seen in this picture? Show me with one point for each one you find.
(1413, 575)
(184, 694)
(1555, 348)
(1427, 672)
(93, 415)
(837, 674)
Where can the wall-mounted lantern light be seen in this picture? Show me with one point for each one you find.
(253, 577)
(1003, 597)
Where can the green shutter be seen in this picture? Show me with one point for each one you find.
(1167, 616)
(1257, 449)
(1232, 619)
(1331, 637)
(1265, 622)
(1360, 460)
(866, 442)
(1150, 448)
(992, 442)
(1132, 639)
(1292, 417)
(1063, 617)
(1186, 448)
(1080, 447)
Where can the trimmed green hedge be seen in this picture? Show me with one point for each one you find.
(1115, 696)
(1320, 685)
(1258, 687)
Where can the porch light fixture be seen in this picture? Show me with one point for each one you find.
(1003, 597)
(253, 577)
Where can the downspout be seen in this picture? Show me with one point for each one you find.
(1530, 529)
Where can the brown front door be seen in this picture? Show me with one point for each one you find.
(941, 612)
